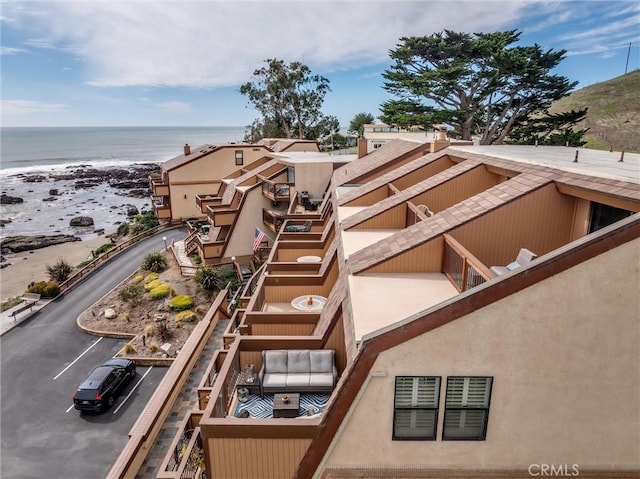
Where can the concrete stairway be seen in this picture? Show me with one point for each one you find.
(187, 268)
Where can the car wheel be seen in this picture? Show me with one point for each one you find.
(132, 373)
(110, 401)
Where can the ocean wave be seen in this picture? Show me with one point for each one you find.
(59, 165)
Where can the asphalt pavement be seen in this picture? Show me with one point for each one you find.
(43, 357)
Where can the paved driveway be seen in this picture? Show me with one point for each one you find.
(43, 360)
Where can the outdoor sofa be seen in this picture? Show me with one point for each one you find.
(297, 371)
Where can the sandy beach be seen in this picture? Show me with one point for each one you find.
(29, 266)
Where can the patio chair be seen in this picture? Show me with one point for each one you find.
(304, 228)
(524, 258)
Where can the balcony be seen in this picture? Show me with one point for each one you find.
(276, 192)
(158, 185)
(204, 201)
(273, 219)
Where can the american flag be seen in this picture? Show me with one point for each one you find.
(258, 237)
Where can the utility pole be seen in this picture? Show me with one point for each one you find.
(627, 65)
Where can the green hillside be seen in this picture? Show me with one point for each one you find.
(614, 112)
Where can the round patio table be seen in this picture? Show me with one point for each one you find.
(309, 302)
(309, 259)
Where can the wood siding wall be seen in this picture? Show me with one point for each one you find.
(336, 342)
(424, 258)
(282, 329)
(249, 458)
(540, 221)
(424, 172)
(581, 219)
(393, 218)
(370, 198)
(457, 189)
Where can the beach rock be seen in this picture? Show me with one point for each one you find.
(35, 179)
(4, 222)
(10, 200)
(53, 192)
(50, 198)
(81, 221)
(132, 210)
(15, 244)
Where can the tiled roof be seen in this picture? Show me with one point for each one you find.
(444, 221)
(196, 153)
(230, 192)
(390, 152)
(284, 144)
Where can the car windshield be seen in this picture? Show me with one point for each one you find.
(96, 377)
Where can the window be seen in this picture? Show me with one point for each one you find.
(604, 215)
(415, 414)
(239, 157)
(466, 408)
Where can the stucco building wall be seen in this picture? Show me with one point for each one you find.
(565, 358)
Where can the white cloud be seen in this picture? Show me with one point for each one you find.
(10, 50)
(30, 107)
(220, 43)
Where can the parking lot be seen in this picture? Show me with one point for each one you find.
(42, 362)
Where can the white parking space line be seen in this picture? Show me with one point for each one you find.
(70, 408)
(76, 359)
(132, 389)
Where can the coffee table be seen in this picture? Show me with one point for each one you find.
(286, 405)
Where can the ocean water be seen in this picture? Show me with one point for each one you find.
(51, 150)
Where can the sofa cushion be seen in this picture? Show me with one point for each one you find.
(321, 360)
(298, 361)
(321, 380)
(298, 380)
(276, 380)
(275, 361)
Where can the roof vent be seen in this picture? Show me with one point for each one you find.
(187, 149)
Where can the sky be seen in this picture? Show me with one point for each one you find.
(181, 62)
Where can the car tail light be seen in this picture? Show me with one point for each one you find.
(98, 397)
(73, 397)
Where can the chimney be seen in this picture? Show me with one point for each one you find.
(187, 149)
(441, 141)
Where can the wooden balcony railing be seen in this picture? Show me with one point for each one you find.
(273, 219)
(462, 268)
(276, 191)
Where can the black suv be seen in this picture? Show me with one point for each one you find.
(102, 386)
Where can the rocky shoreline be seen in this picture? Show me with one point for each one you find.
(131, 182)
(16, 244)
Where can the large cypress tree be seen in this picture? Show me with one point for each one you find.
(479, 84)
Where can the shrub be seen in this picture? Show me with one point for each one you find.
(154, 262)
(206, 277)
(149, 330)
(84, 263)
(103, 249)
(196, 259)
(131, 293)
(123, 229)
(136, 228)
(147, 220)
(138, 278)
(225, 276)
(129, 349)
(59, 271)
(46, 289)
(127, 317)
(161, 291)
(153, 347)
(151, 277)
(201, 309)
(186, 317)
(181, 302)
(152, 284)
